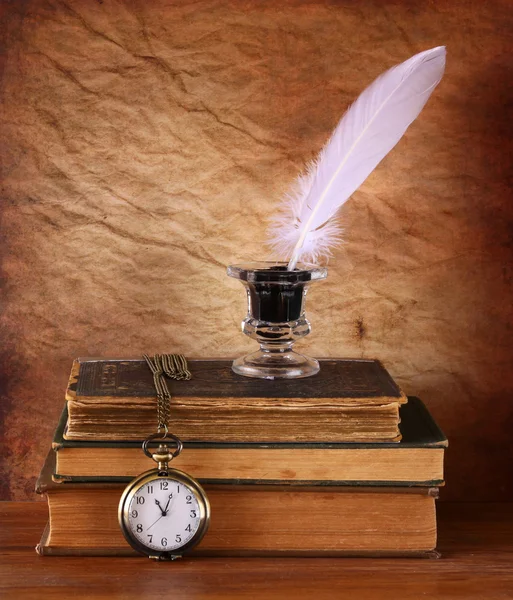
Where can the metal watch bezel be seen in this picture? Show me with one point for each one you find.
(141, 481)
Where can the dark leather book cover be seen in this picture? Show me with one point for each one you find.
(131, 378)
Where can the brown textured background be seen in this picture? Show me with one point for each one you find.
(144, 144)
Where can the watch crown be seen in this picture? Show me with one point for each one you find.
(162, 456)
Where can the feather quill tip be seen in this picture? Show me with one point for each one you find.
(317, 246)
(284, 228)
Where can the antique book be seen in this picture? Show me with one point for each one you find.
(255, 520)
(348, 400)
(416, 460)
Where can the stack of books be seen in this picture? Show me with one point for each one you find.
(341, 463)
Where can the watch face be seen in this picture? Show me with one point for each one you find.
(164, 513)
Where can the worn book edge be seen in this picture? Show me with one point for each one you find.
(49, 481)
(46, 486)
(43, 549)
(417, 426)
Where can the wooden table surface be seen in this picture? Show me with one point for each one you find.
(476, 541)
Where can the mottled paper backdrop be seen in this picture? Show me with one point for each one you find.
(144, 144)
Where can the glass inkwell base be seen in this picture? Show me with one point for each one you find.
(276, 319)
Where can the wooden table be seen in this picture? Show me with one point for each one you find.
(476, 541)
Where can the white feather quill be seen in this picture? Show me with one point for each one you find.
(305, 228)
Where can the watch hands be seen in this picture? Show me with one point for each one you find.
(164, 511)
(167, 505)
(162, 515)
(161, 509)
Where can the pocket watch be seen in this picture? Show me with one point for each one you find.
(164, 512)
